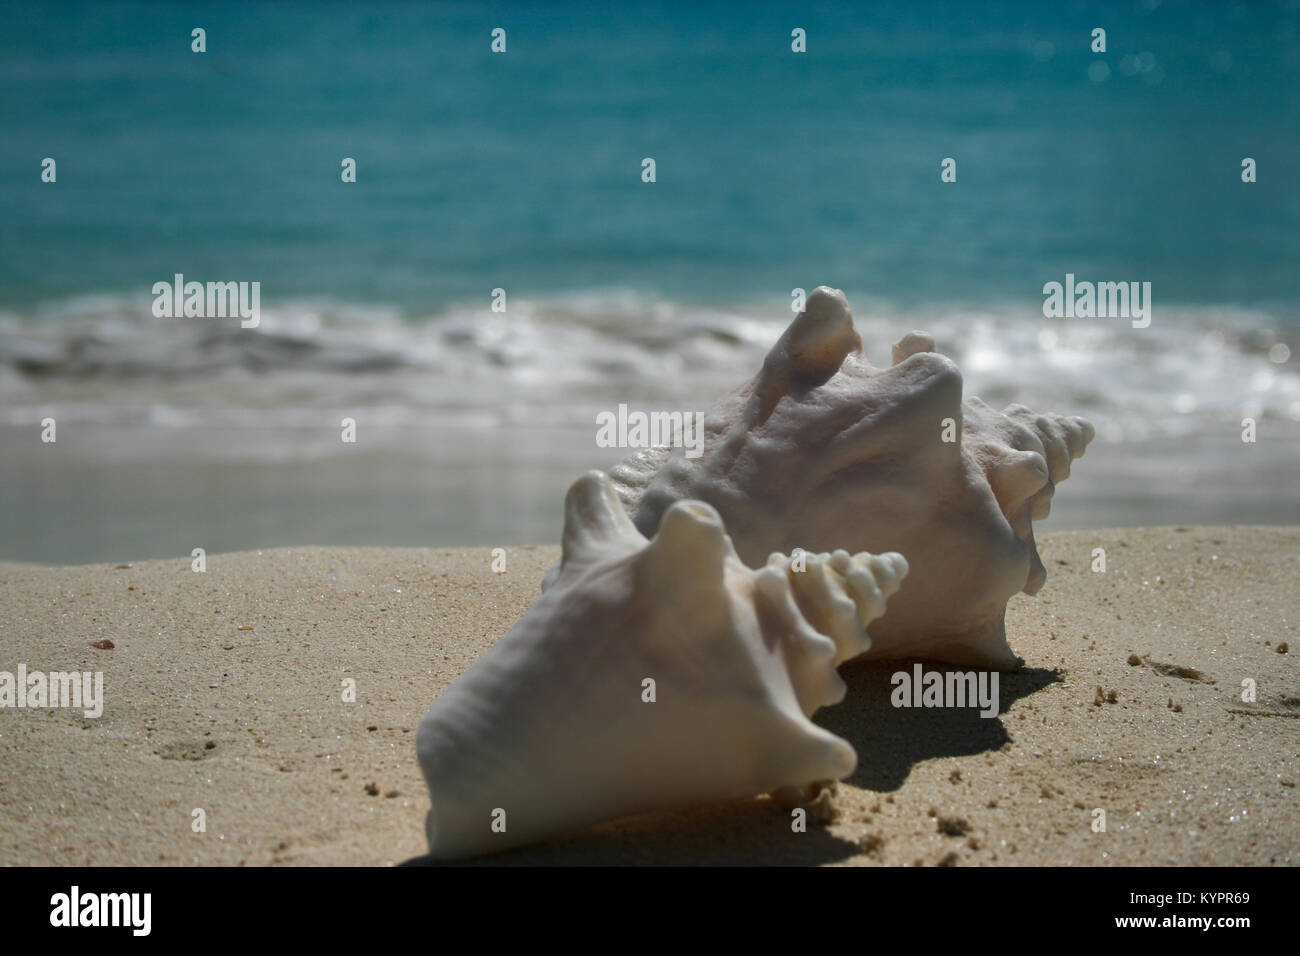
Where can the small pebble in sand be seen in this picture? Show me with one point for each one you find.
(1105, 697)
(953, 826)
(245, 627)
(1283, 648)
(822, 810)
(372, 789)
(1134, 660)
(949, 859)
(1178, 670)
(392, 793)
(871, 844)
(104, 645)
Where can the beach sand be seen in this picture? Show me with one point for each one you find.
(224, 693)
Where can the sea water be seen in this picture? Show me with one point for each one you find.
(515, 179)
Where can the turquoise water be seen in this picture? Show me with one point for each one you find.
(774, 169)
(522, 171)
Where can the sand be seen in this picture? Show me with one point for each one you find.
(224, 692)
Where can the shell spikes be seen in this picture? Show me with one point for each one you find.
(824, 450)
(648, 675)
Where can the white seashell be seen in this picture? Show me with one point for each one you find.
(550, 730)
(823, 451)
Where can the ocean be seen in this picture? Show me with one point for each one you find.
(522, 171)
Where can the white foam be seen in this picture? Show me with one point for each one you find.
(106, 359)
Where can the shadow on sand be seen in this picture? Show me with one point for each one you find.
(889, 741)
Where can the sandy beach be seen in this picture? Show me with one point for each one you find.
(224, 691)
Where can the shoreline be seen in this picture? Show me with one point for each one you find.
(69, 506)
(249, 725)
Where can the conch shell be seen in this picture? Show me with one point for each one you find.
(823, 451)
(555, 727)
